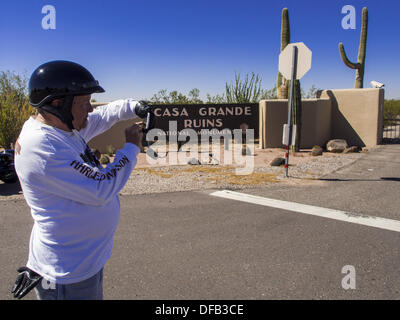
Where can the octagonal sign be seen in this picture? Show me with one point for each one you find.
(303, 60)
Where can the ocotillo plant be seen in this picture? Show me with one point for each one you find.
(282, 84)
(243, 92)
(360, 65)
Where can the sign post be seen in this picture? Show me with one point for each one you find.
(294, 63)
(293, 77)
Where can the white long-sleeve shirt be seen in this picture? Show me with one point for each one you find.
(73, 201)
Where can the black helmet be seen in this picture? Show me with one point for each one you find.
(60, 79)
(57, 79)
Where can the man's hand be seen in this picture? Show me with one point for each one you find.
(142, 109)
(27, 279)
(134, 134)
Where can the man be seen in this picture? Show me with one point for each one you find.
(73, 199)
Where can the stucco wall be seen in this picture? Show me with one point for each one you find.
(316, 122)
(357, 115)
(115, 136)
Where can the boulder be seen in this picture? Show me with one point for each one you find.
(246, 151)
(277, 162)
(316, 151)
(213, 161)
(352, 149)
(194, 161)
(336, 145)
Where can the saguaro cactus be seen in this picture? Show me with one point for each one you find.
(296, 114)
(360, 65)
(282, 84)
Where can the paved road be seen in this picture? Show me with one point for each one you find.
(191, 245)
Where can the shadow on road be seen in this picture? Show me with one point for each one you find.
(8, 189)
(383, 178)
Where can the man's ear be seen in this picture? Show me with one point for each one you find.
(57, 102)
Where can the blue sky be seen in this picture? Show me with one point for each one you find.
(136, 48)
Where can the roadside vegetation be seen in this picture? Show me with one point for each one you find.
(391, 109)
(391, 112)
(14, 107)
(244, 89)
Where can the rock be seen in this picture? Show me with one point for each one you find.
(277, 162)
(316, 151)
(213, 161)
(194, 161)
(336, 145)
(352, 149)
(246, 151)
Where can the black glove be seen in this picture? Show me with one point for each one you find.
(26, 281)
(142, 109)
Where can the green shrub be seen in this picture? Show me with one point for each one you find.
(14, 107)
(248, 90)
(391, 110)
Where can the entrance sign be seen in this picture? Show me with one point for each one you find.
(212, 118)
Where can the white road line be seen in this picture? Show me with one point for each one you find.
(371, 221)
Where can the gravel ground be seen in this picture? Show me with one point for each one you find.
(200, 177)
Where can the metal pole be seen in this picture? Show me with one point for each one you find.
(290, 102)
